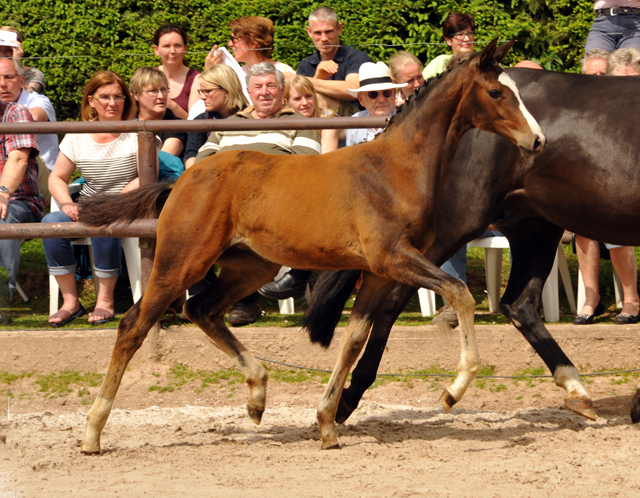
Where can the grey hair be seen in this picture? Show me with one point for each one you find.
(596, 53)
(263, 68)
(623, 57)
(323, 14)
(35, 76)
(18, 66)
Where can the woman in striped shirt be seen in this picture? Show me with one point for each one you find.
(108, 163)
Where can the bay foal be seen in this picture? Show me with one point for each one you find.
(368, 207)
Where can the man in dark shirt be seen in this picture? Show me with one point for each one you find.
(333, 68)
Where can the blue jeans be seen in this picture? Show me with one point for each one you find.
(18, 212)
(614, 32)
(456, 266)
(107, 252)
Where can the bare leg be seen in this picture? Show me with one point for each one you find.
(624, 261)
(71, 304)
(371, 295)
(588, 253)
(105, 305)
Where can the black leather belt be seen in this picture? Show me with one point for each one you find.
(618, 11)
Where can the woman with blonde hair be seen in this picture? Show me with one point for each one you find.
(406, 68)
(150, 89)
(222, 94)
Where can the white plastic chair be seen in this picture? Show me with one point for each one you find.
(493, 247)
(131, 254)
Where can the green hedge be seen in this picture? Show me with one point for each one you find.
(116, 34)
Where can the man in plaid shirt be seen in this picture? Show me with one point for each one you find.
(20, 197)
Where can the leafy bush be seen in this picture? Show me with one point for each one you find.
(74, 39)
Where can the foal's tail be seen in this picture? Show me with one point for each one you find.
(144, 202)
(324, 308)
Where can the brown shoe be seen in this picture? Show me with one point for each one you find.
(447, 314)
(244, 313)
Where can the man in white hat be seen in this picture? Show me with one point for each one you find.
(8, 41)
(377, 94)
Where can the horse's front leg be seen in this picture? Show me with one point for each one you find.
(533, 249)
(414, 269)
(372, 293)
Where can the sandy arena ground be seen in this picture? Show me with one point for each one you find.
(504, 438)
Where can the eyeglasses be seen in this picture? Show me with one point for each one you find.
(385, 93)
(204, 92)
(235, 38)
(105, 99)
(156, 91)
(9, 77)
(461, 35)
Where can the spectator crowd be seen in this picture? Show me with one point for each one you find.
(244, 82)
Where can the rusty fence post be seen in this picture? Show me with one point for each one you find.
(148, 173)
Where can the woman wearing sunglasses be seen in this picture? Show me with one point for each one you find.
(458, 31)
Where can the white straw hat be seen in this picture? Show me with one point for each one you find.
(9, 39)
(375, 77)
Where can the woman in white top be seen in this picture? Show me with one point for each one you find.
(108, 163)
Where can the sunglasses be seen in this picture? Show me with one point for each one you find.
(373, 95)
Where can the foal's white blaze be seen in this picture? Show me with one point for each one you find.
(509, 83)
(567, 377)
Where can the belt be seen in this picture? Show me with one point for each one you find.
(618, 11)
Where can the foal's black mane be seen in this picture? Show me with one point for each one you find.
(423, 91)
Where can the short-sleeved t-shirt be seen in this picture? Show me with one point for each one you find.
(48, 144)
(348, 59)
(29, 189)
(104, 167)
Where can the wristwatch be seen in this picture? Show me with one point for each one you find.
(5, 190)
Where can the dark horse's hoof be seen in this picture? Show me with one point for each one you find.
(581, 406)
(255, 413)
(344, 410)
(635, 407)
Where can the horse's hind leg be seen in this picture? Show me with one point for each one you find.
(132, 331)
(372, 293)
(207, 310)
(533, 248)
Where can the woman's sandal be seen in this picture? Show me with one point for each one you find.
(81, 312)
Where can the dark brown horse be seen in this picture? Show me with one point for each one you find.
(368, 207)
(587, 180)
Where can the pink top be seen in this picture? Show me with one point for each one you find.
(183, 99)
(607, 4)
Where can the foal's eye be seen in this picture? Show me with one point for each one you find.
(495, 94)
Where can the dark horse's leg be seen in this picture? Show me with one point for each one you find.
(364, 375)
(372, 293)
(534, 243)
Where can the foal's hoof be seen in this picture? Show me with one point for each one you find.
(330, 446)
(89, 450)
(255, 413)
(581, 406)
(448, 401)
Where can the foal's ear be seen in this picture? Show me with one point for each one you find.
(487, 53)
(502, 50)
